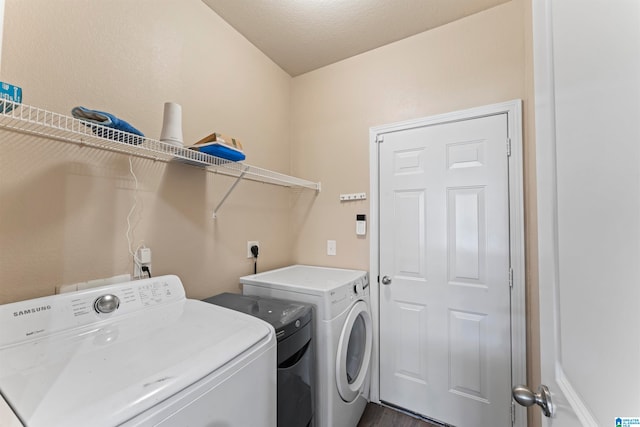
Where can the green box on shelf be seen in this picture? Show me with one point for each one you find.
(10, 93)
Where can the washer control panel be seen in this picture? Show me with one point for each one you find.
(42, 316)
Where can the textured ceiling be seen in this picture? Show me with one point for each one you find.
(302, 35)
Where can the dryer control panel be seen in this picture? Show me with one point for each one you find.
(344, 296)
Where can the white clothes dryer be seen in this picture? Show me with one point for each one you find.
(342, 332)
(134, 354)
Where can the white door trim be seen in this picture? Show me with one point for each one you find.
(513, 109)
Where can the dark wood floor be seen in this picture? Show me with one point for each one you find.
(381, 416)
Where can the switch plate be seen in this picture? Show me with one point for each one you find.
(331, 247)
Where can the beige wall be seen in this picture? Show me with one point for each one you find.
(63, 208)
(479, 60)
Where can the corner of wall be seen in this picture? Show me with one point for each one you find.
(1, 31)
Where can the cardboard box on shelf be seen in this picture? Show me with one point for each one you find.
(222, 139)
(221, 146)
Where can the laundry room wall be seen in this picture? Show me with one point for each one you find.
(471, 62)
(482, 59)
(63, 210)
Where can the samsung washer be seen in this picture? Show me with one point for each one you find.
(134, 354)
(342, 329)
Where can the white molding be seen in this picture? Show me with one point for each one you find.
(513, 109)
(573, 399)
(517, 249)
(374, 262)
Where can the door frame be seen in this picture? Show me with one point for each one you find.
(513, 110)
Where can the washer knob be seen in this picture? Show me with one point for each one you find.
(106, 303)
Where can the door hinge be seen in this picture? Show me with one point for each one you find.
(513, 412)
(510, 277)
(508, 147)
(379, 139)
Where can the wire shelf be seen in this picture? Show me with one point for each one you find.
(36, 121)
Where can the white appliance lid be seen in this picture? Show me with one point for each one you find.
(305, 278)
(106, 372)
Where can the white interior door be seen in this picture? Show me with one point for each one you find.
(587, 77)
(445, 344)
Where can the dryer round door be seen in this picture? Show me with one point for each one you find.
(354, 352)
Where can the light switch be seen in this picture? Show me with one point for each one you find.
(331, 247)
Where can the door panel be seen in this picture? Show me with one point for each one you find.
(410, 238)
(467, 236)
(468, 354)
(412, 357)
(444, 242)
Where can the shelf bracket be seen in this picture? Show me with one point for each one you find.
(229, 191)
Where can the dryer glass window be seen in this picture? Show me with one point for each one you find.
(356, 349)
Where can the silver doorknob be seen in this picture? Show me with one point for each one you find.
(525, 397)
(386, 280)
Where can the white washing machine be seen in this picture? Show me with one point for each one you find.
(134, 354)
(342, 332)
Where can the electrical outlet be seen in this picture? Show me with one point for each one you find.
(143, 256)
(252, 243)
(137, 271)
